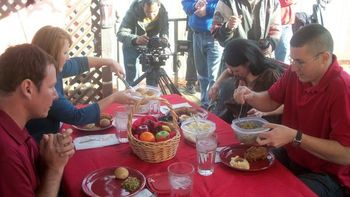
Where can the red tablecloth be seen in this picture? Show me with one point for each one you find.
(275, 181)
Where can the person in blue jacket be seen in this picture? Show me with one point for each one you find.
(206, 50)
(56, 42)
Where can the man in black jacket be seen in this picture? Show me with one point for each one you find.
(143, 20)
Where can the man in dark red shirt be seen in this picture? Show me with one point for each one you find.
(315, 133)
(27, 89)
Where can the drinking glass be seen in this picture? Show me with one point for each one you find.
(154, 107)
(181, 179)
(121, 123)
(206, 145)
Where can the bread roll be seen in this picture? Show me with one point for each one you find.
(105, 116)
(141, 90)
(105, 122)
(121, 173)
(150, 93)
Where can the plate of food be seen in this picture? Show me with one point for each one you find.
(247, 158)
(185, 113)
(114, 181)
(104, 123)
(147, 94)
(146, 91)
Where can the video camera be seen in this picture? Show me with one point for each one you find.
(154, 53)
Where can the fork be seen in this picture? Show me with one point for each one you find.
(195, 120)
(240, 113)
(127, 85)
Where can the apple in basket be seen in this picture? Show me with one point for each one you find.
(149, 129)
(162, 136)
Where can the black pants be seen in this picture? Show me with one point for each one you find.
(324, 185)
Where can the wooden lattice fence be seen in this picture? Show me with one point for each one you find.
(6, 7)
(83, 24)
(84, 27)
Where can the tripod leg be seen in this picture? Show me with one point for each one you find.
(167, 82)
(150, 71)
(138, 80)
(162, 86)
(161, 78)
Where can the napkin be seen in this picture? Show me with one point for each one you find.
(217, 155)
(95, 141)
(144, 193)
(164, 109)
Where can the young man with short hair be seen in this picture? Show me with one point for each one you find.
(27, 89)
(315, 126)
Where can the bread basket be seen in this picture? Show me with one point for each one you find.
(154, 152)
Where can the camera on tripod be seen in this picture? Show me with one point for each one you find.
(152, 57)
(154, 53)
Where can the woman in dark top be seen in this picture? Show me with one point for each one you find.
(246, 65)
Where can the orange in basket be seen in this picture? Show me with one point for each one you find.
(147, 137)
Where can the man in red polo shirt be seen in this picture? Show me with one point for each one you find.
(315, 133)
(27, 89)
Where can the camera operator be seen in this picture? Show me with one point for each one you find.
(143, 20)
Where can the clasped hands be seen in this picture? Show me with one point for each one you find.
(56, 149)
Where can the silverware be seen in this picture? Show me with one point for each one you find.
(90, 139)
(240, 113)
(212, 105)
(127, 85)
(195, 120)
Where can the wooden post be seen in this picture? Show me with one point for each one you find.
(108, 46)
(109, 43)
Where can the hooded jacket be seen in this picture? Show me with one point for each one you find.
(132, 25)
(266, 21)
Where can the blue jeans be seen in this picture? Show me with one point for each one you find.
(130, 55)
(207, 55)
(191, 72)
(283, 46)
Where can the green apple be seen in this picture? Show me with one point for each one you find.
(162, 136)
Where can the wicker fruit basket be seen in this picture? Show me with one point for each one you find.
(154, 152)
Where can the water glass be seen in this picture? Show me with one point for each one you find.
(206, 145)
(181, 179)
(154, 107)
(121, 123)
